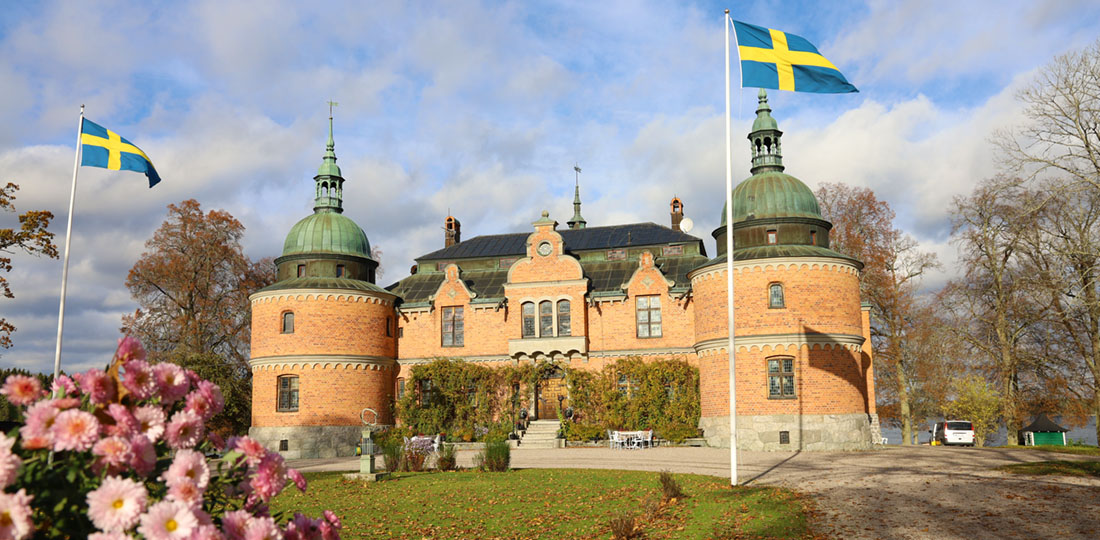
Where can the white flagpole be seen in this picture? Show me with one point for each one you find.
(729, 269)
(68, 241)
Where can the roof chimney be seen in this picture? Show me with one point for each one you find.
(677, 213)
(452, 232)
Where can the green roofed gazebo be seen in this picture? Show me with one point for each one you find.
(1043, 431)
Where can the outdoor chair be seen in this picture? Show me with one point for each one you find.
(647, 439)
(614, 440)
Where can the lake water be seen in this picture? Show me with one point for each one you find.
(1085, 433)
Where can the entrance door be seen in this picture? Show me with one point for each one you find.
(552, 395)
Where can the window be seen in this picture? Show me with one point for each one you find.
(301, 270)
(649, 316)
(773, 237)
(453, 326)
(616, 255)
(775, 295)
(781, 377)
(627, 386)
(506, 263)
(813, 238)
(400, 332)
(546, 318)
(528, 319)
(389, 326)
(425, 391)
(339, 270)
(672, 250)
(288, 393)
(288, 322)
(563, 318)
(400, 388)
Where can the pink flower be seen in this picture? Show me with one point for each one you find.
(9, 462)
(217, 440)
(65, 403)
(172, 381)
(297, 478)
(15, 515)
(129, 348)
(145, 455)
(21, 389)
(270, 477)
(138, 379)
(198, 404)
(168, 520)
(117, 504)
(262, 528)
(150, 419)
(207, 532)
(184, 430)
(40, 418)
(125, 425)
(331, 517)
(186, 492)
(303, 528)
(234, 523)
(74, 430)
(252, 449)
(213, 394)
(99, 386)
(108, 536)
(115, 454)
(64, 385)
(188, 465)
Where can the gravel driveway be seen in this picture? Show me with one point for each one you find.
(918, 492)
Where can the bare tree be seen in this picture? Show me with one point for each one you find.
(1062, 132)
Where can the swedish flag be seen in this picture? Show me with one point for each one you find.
(104, 148)
(774, 59)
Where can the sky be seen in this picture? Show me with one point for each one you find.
(478, 109)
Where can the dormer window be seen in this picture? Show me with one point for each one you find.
(813, 238)
(339, 270)
(773, 237)
(301, 270)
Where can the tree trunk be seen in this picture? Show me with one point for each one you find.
(903, 406)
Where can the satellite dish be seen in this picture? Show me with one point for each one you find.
(686, 224)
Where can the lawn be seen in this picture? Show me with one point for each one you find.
(1062, 468)
(547, 503)
(1081, 450)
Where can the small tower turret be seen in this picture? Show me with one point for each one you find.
(452, 231)
(767, 154)
(577, 222)
(677, 210)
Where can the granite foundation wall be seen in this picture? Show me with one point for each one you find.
(811, 432)
(309, 441)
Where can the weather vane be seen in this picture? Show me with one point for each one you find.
(331, 104)
(578, 175)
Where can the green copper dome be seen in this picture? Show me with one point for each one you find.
(764, 120)
(772, 194)
(327, 232)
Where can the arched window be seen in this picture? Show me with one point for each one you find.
(546, 319)
(288, 322)
(780, 378)
(288, 393)
(528, 319)
(775, 295)
(564, 328)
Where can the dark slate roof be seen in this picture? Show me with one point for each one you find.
(324, 283)
(1044, 424)
(487, 285)
(771, 252)
(592, 238)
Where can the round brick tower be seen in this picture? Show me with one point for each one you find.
(323, 339)
(804, 379)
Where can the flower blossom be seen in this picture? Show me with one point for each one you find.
(99, 386)
(186, 492)
(15, 515)
(108, 536)
(234, 523)
(188, 465)
(21, 389)
(115, 454)
(150, 419)
(74, 430)
(262, 528)
(184, 430)
(145, 455)
(125, 424)
(270, 477)
(172, 381)
(297, 478)
(64, 385)
(40, 417)
(138, 379)
(168, 520)
(117, 504)
(302, 528)
(252, 449)
(129, 348)
(9, 462)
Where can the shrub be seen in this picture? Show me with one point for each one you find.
(447, 459)
(625, 527)
(670, 488)
(129, 453)
(495, 457)
(416, 453)
(392, 450)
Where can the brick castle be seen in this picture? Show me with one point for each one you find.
(327, 342)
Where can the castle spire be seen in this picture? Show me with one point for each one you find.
(577, 222)
(767, 154)
(329, 183)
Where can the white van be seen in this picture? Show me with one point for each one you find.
(953, 432)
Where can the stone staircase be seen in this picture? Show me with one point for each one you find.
(542, 434)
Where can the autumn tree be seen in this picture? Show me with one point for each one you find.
(1061, 134)
(32, 237)
(976, 401)
(863, 228)
(192, 285)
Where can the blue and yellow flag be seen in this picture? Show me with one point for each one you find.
(104, 148)
(774, 59)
